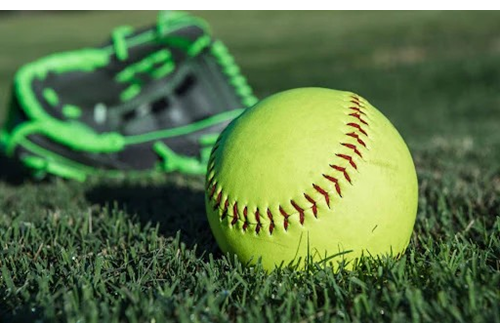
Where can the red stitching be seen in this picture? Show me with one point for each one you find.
(217, 143)
(271, 225)
(212, 166)
(224, 211)
(358, 127)
(209, 182)
(353, 147)
(245, 223)
(313, 207)
(285, 215)
(357, 114)
(343, 170)
(235, 214)
(300, 210)
(354, 135)
(336, 182)
(217, 202)
(324, 193)
(357, 109)
(348, 158)
(257, 218)
(212, 191)
(212, 154)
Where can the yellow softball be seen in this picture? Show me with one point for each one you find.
(311, 174)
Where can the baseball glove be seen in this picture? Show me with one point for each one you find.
(146, 101)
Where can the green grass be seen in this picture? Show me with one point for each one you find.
(142, 251)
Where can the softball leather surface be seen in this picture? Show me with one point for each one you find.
(311, 174)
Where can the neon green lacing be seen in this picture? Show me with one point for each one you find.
(146, 65)
(118, 37)
(87, 140)
(231, 69)
(119, 34)
(166, 22)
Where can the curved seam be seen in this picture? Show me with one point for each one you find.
(358, 112)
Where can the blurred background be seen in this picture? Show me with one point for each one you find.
(435, 74)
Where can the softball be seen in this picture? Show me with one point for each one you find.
(311, 175)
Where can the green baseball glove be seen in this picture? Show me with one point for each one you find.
(147, 101)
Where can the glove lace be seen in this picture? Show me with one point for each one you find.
(231, 69)
(118, 37)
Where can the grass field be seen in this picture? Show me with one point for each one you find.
(142, 251)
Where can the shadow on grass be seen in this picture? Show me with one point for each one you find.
(20, 314)
(12, 172)
(172, 207)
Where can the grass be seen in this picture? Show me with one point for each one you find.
(142, 251)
